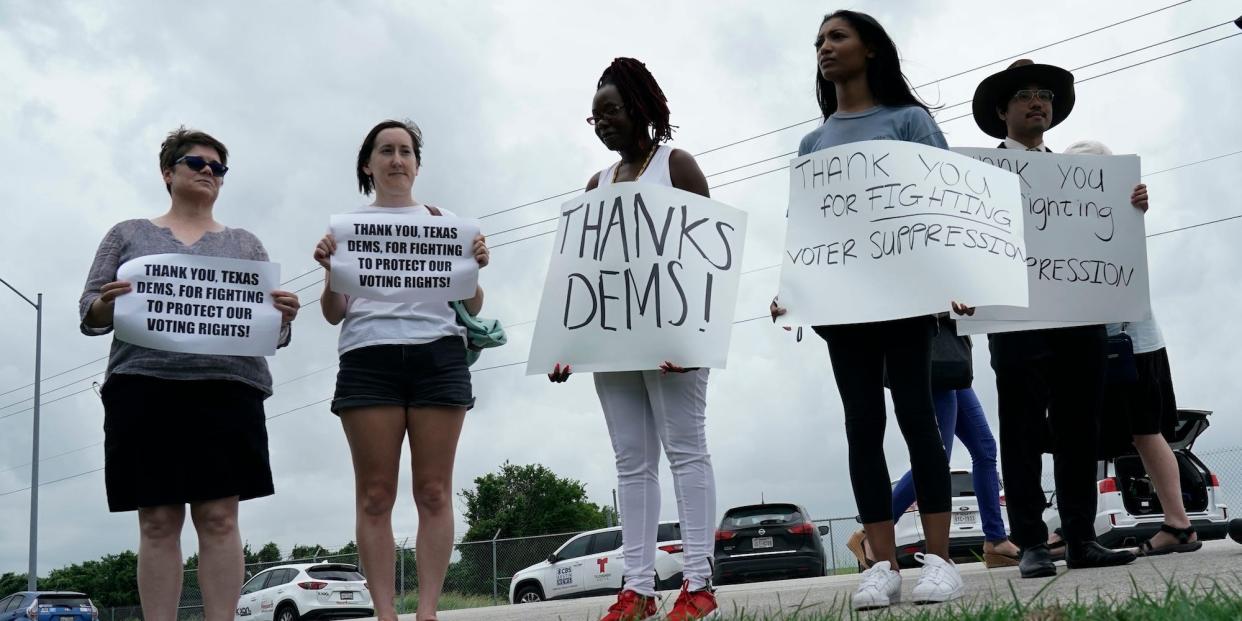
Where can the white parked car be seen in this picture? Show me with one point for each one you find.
(1128, 511)
(591, 564)
(305, 592)
(965, 528)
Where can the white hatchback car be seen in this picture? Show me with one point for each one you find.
(1128, 511)
(305, 592)
(965, 530)
(591, 564)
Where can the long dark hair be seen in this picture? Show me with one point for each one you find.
(888, 85)
(643, 98)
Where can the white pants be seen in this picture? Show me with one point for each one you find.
(645, 410)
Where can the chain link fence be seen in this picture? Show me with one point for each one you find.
(484, 569)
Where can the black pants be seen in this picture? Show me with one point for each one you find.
(859, 353)
(1050, 387)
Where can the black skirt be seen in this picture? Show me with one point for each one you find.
(173, 442)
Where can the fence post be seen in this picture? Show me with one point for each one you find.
(832, 545)
(401, 553)
(495, 577)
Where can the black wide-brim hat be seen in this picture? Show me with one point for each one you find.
(996, 90)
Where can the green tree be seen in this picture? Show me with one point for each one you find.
(269, 553)
(110, 581)
(11, 582)
(349, 548)
(521, 501)
(518, 501)
(301, 552)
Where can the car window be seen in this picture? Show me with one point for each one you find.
(575, 548)
(962, 484)
(281, 577)
(4, 603)
(335, 573)
(63, 600)
(762, 516)
(256, 583)
(668, 532)
(604, 542)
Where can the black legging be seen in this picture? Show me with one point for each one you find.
(859, 353)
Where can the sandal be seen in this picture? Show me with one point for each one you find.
(995, 559)
(1056, 549)
(1184, 544)
(855, 544)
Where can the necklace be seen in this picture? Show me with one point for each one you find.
(617, 171)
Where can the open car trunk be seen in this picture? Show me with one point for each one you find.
(1137, 491)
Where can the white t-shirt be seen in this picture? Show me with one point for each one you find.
(372, 322)
(1145, 335)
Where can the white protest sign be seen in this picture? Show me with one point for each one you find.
(884, 229)
(1086, 246)
(639, 274)
(996, 326)
(199, 305)
(404, 257)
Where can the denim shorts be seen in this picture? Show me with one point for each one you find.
(431, 374)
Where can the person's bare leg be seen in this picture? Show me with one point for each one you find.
(936, 532)
(433, 433)
(1161, 466)
(159, 561)
(881, 540)
(221, 566)
(375, 435)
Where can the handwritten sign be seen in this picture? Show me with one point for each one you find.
(882, 230)
(404, 258)
(199, 305)
(1087, 250)
(640, 274)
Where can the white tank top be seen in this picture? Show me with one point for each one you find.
(657, 170)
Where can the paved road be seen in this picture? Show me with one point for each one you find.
(1217, 559)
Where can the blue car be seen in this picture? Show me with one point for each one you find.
(48, 606)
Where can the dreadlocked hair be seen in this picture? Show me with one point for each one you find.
(644, 100)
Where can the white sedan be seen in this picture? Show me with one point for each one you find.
(591, 564)
(305, 592)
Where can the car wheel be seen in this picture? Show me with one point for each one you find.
(286, 613)
(527, 594)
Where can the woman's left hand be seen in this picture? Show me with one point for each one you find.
(481, 254)
(669, 367)
(287, 303)
(962, 309)
(1139, 197)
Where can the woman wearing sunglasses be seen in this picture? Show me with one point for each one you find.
(182, 428)
(647, 411)
(403, 376)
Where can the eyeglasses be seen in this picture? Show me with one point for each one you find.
(197, 162)
(1027, 94)
(611, 111)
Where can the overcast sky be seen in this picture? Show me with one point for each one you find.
(500, 91)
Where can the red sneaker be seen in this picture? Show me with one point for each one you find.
(694, 605)
(631, 606)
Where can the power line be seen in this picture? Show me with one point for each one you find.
(50, 391)
(46, 483)
(51, 457)
(100, 359)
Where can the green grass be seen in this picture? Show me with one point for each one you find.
(1195, 602)
(448, 601)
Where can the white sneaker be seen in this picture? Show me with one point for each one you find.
(880, 588)
(940, 581)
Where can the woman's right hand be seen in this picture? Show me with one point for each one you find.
(111, 291)
(324, 250)
(559, 374)
(777, 310)
(100, 313)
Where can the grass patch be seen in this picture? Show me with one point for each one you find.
(448, 601)
(1194, 602)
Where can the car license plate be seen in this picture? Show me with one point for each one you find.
(965, 518)
(68, 619)
(761, 542)
(347, 595)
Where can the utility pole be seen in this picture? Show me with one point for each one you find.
(32, 577)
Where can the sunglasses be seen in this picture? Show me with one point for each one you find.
(197, 162)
